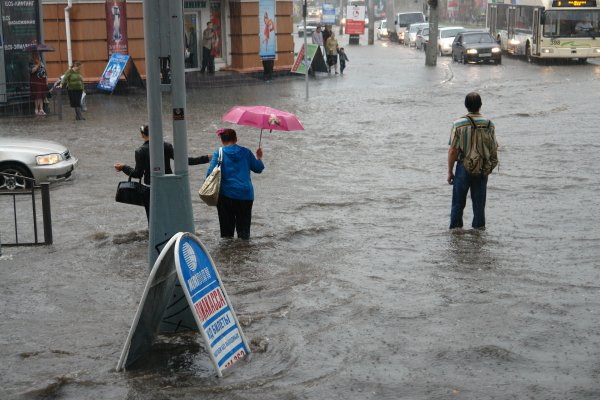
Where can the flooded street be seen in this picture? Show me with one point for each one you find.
(352, 286)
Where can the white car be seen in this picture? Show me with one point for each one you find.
(411, 33)
(311, 26)
(42, 160)
(382, 29)
(446, 36)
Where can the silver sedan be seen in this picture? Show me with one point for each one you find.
(42, 160)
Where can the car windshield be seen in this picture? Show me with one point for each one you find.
(477, 38)
(410, 18)
(448, 33)
(414, 28)
(425, 32)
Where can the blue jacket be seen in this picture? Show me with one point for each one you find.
(237, 163)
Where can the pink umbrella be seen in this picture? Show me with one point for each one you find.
(264, 118)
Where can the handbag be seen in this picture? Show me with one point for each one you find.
(213, 51)
(209, 192)
(131, 192)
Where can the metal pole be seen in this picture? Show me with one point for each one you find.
(35, 230)
(178, 92)
(46, 213)
(305, 58)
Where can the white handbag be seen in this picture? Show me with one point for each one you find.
(209, 192)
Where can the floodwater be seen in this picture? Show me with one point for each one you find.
(351, 286)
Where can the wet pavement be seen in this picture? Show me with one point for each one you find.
(351, 286)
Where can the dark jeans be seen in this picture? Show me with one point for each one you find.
(234, 215)
(207, 60)
(463, 182)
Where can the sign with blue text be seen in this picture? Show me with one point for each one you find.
(328, 16)
(112, 72)
(209, 303)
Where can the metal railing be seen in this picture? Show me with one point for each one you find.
(29, 189)
(16, 100)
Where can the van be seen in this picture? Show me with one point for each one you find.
(404, 19)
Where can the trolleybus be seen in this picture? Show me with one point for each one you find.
(546, 28)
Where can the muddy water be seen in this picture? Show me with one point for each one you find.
(351, 286)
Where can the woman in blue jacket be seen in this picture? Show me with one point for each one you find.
(236, 195)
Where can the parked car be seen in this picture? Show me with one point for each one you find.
(311, 26)
(410, 37)
(382, 29)
(422, 38)
(446, 36)
(404, 19)
(43, 160)
(475, 47)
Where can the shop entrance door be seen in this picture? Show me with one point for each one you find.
(191, 36)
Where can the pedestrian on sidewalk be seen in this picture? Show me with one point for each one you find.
(462, 142)
(38, 82)
(236, 194)
(73, 81)
(210, 42)
(343, 59)
(332, 52)
(142, 164)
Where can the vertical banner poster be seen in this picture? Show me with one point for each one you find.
(226, 343)
(328, 16)
(116, 26)
(355, 20)
(215, 18)
(267, 29)
(112, 72)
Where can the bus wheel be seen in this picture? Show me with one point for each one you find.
(528, 53)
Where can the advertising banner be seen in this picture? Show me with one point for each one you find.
(328, 16)
(355, 20)
(116, 26)
(212, 309)
(112, 72)
(19, 24)
(267, 29)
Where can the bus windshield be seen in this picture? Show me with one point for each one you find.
(410, 18)
(580, 23)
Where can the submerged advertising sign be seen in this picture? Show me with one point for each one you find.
(211, 307)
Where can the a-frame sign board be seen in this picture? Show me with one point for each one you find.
(314, 58)
(184, 260)
(119, 64)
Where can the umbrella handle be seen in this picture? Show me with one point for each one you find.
(260, 139)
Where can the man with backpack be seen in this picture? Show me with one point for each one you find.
(473, 148)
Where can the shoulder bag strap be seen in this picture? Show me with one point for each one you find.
(220, 157)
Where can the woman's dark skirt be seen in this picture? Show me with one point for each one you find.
(75, 98)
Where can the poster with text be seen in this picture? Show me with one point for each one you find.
(267, 29)
(116, 26)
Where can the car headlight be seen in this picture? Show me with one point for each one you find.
(596, 50)
(495, 49)
(547, 50)
(48, 159)
(472, 51)
(514, 42)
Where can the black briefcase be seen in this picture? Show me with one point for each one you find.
(131, 192)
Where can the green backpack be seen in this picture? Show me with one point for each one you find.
(482, 155)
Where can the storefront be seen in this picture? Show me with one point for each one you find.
(236, 23)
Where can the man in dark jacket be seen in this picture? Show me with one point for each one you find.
(142, 163)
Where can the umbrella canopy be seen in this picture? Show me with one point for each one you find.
(264, 118)
(39, 47)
